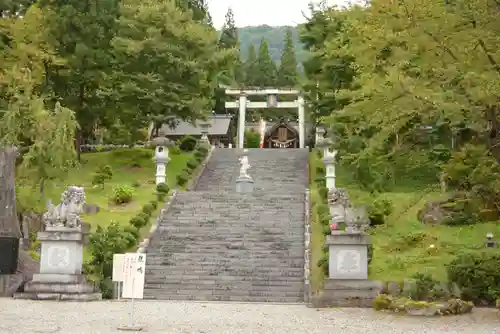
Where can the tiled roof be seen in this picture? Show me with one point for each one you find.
(219, 126)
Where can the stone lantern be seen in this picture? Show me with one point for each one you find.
(204, 132)
(162, 159)
(329, 154)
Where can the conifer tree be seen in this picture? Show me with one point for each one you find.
(287, 72)
(251, 67)
(266, 68)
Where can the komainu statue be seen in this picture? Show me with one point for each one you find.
(67, 213)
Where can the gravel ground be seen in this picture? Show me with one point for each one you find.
(20, 316)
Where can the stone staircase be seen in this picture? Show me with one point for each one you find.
(216, 244)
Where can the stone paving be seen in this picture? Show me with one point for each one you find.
(20, 316)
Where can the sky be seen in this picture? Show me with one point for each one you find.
(259, 12)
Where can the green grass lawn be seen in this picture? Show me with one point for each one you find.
(401, 246)
(130, 167)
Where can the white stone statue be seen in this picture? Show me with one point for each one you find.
(67, 213)
(245, 166)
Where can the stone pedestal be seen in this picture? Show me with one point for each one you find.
(348, 284)
(61, 262)
(244, 184)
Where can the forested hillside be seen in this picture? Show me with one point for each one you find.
(275, 37)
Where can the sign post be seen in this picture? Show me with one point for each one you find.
(134, 270)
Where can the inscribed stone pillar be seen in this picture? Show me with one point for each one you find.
(241, 120)
(9, 226)
(300, 107)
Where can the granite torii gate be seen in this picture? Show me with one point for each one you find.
(272, 102)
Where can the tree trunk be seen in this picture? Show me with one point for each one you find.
(9, 225)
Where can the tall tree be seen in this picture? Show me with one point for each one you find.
(229, 33)
(164, 60)
(80, 32)
(232, 72)
(266, 68)
(251, 67)
(287, 72)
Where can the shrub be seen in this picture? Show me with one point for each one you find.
(102, 174)
(477, 275)
(103, 243)
(382, 302)
(144, 216)
(424, 287)
(188, 144)
(322, 210)
(182, 178)
(323, 193)
(379, 210)
(174, 150)
(323, 263)
(192, 164)
(132, 157)
(320, 170)
(122, 194)
(138, 222)
(203, 149)
(154, 204)
(162, 188)
(160, 197)
(148, 209)
(199, 156)
(320, 181)
(252, 139)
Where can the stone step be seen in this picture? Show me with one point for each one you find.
(160, 294)
(230, 271)
(202, 276)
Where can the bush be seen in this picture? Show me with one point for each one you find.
(203, 149)
(188, 144)
(103, 243)
(138, 222)
(252, 139)
(162, 188)
(122, 194)
(320, 170)
(477, 275)
(154, 204)
(174, 150)
(132, 157)
(192, 164)
(323, 193)
(382, 302)
(323, 263)
(144, 216)
(322, 210)
(320, 181)
(199, 156)
(160, 197)
(379, 210)
(102, 174)
(182, 178)
(148, 209)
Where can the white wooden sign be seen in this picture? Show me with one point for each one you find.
(134, 274)
(118, 267)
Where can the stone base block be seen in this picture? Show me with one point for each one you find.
(58, 287)
(82, 297)
(347, 293)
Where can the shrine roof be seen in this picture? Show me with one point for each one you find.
(219, 127)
